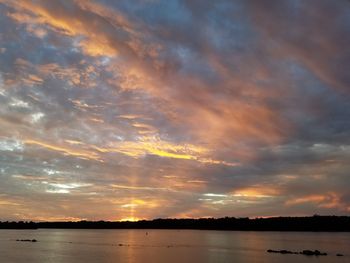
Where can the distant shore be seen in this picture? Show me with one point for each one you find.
(311, 223)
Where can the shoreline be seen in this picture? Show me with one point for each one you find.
(273, 224)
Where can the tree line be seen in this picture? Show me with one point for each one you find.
(311, 223)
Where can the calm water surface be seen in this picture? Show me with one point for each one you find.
(169, 246)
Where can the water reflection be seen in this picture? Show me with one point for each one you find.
(135, 246)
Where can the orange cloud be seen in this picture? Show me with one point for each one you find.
(97, 48)
(318, 199)
(256, 192)
(155, 146)
(91, 20)
(8, 203)
(328, 200)
(141, 147)
(65, 150)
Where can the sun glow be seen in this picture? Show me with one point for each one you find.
(130, 219)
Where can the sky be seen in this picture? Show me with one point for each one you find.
(127, 110)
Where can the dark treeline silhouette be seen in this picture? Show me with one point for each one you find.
(312, 223)
(18, 225)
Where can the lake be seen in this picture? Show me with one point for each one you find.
(170, 246)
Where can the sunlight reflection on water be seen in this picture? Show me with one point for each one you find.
(135, 246)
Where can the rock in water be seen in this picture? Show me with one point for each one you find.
(26, 240)
(313, 253)
(304, 252)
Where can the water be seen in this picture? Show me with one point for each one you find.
(170, 246)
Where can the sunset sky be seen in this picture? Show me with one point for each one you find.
(143, 109)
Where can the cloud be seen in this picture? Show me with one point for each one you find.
(323, 51)
(173, 108)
